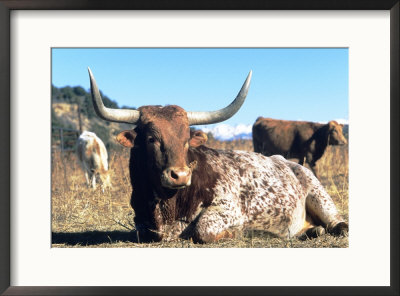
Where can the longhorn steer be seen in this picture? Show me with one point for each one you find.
(183, 189)
(296, 139)
(92, 155)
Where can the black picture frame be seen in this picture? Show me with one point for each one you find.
(7, 6)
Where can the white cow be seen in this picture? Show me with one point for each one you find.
(92, 155)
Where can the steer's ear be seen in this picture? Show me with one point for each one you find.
(332, 124)
(127, 138)
(197, 138)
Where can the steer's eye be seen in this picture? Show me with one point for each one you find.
(162, 148)
(151, 140)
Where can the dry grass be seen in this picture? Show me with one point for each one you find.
(82, 217)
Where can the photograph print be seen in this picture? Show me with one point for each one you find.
(199, 147)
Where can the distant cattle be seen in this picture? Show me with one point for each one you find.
(92, 155)
(181, 188)
(306, 141)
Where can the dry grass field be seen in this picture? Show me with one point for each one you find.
(82, 217)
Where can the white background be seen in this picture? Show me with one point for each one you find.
(365, 262)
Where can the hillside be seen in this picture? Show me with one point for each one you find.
(67, 103)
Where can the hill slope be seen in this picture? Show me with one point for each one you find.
(67, 104)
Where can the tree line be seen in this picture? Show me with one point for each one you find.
(78, 96)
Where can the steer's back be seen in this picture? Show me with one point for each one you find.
(255, 178)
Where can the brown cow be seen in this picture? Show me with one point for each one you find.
(306, 141)
(181, 188)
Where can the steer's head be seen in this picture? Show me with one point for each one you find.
(336, 136)
(164, 134)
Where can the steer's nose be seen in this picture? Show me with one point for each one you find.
(341, 141)
(175, 177)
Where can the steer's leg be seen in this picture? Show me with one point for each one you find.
(309, 159)
(92, 177)
(319, 205)
(218, 221)
(87, 178)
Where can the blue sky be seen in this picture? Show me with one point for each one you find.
(292, 83)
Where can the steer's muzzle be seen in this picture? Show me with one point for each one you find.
(334, 141)
(176, 177)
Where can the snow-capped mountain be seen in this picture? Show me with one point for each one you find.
(225, 132)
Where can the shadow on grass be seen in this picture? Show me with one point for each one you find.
(89, 238)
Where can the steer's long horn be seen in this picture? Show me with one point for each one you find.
(196, 118)
(117, 115)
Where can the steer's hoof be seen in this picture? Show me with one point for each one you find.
(316, 231)
(312, 233)
(340, 229)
